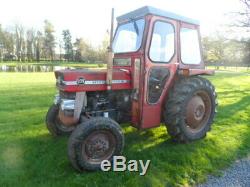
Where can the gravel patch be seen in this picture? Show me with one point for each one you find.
(238, 175)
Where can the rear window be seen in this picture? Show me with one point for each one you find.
(190, 47)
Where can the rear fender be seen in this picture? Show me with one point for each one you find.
(192, 72)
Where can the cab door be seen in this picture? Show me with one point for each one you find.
(159, 70)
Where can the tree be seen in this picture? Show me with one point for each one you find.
(68, 47)
(9, 43)
(60, 49)
(38, 45)
(243, 16)
(84, 51)
(214, 49)
(49, 40)
(237, 51)
(246, 51)
(102, 54)
(30, 40)
(244, 22)
(78, 53)
(221, 51)
(20, 43)
(1, 42)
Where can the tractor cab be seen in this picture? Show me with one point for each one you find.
(154, 46)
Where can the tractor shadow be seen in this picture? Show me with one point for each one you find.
(229, 111)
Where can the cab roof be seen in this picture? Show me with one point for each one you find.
(154, 11)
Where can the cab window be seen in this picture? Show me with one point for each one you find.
(162, 46)
(190, 48)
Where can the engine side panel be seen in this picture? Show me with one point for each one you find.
(87, 80)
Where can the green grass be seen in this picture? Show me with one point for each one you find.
(30, 156)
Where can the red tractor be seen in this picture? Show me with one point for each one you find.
(152, 77)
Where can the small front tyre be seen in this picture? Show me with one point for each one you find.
(93, 141)
(54, 125)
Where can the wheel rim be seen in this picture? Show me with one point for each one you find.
(98, 146)
(198, 111)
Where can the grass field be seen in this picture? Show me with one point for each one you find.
(30, 156)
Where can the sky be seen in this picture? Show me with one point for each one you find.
(91, 19)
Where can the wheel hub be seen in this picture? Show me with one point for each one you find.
(195, 111)
(98, 146)
(199, 112)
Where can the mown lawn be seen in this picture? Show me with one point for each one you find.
(30, 156)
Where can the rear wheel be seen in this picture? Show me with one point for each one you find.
(93, 141)
(190, 109)
(54, 125)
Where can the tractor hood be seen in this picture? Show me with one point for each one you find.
(78, 80)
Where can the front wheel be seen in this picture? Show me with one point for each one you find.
(190, 109)
(93, 141)
(54, 125)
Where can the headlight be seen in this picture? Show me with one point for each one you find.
(67, 104)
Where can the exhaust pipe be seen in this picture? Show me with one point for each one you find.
(110, 54)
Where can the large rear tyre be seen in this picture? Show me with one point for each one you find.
(54, 125)
(190, 109)
(93, 141)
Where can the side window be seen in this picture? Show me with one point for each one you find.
(128, 37)
(162, 43)
(157, 79)
(190, 47)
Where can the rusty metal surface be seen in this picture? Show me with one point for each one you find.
(80, 102)
(198, 111)
(191, 72)
(98, 146)
(110, 54)
(66, 119)
(195, 111)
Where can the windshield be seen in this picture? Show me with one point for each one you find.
(128, 37)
